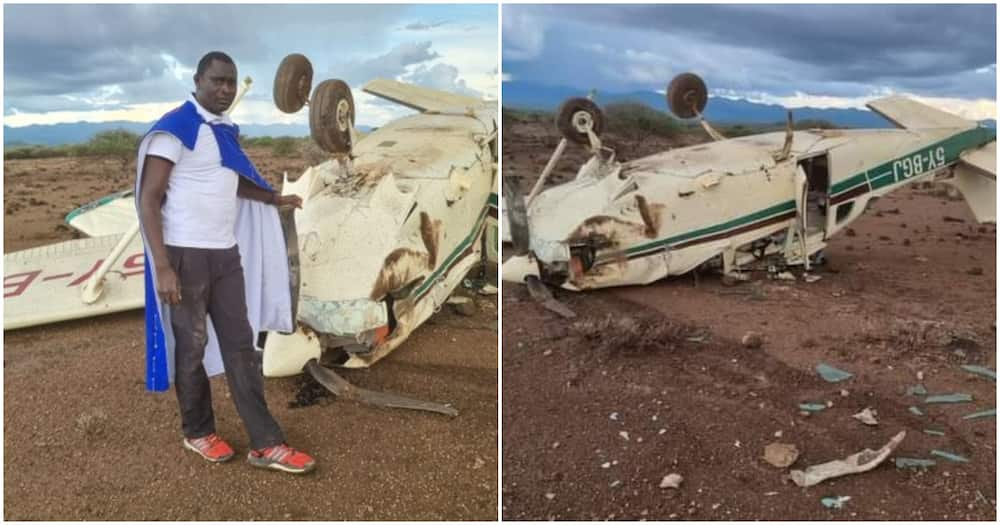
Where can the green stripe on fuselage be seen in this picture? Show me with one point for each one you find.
(883, 174)
(761, 215)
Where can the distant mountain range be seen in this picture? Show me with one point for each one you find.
(76, 132)
(522, 95)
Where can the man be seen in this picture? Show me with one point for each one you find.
(206, 216)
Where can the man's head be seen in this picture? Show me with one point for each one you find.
(215, 82)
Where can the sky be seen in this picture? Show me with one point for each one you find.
(97, 63)
(793, 55)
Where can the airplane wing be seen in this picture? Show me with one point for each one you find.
(909, 114)
(43, 285)
(419, 98)
(114, 213)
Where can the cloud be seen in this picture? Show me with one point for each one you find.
(391, 64)
(440, 76)
(424, 26)
(836, 50)
(523, 34)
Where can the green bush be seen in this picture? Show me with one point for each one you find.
(284, 146)
(637, 122)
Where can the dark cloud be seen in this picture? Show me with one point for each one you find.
(51, 49)
(841, 50)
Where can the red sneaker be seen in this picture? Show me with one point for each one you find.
(282, 457)
(210, 447)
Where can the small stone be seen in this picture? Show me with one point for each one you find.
(844, 393)
(638, 440)
(555, 445)
(671, 481)
(920, 375)
(613, 416)
(781, 455)
(662, 431)
(624, 435)
(606, 464)
(550, 496)
(547, 352)
(616, 483)
(752, 340)
(778, 434)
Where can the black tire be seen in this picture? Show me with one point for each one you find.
(687, 95)
(572, 109)
(292, 83)
(331, 116)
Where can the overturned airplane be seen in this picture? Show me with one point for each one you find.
(771, 198)
(390, 226)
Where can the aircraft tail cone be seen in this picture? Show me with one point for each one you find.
(340, 387)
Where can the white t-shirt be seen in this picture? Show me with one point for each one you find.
(201, 204)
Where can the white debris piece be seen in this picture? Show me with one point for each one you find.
(671, 481)
(856, 463)
(867, 416)
(613, 416)
(624, 435)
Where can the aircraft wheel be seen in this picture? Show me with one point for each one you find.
(576, 115)
(292, 83)
(331, 116)
(687, 95)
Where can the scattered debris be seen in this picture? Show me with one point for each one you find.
(916, 411)
(784, 276)
(461, 305)
(624, 435)
(867, 416)
(950, 456)
(781, 455)
(540, 293)
(856, 463)
(835, 502)
(916, 390)
(982, 413)
(812, 407)
(948, 398)
(671, 481)
(616, 483)
(831, 374)
(550, 496)
(606, 464)
(613, 416)
(752, 340)
(809, 278)
(844, 393)
(932, 432)
(981, 370)
(915, 463)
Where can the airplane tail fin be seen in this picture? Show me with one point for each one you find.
(976, 178)
(907, 113)
(418, 98)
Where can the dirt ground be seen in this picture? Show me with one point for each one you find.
(653, 380)
(83, 440)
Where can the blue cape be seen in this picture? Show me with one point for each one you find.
(183, 123)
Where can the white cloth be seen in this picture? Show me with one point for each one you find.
(265, 269)
(200, 209)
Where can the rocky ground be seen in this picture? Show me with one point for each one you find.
(84, 441)
(655, 380)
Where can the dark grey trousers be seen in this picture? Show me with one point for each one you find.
(212, 282)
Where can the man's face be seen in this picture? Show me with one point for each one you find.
(216, 87)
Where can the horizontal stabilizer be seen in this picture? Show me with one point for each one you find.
(976, 178)
(909, 114)
(419, 98)
(114, 213)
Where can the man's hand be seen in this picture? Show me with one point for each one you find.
(288, 200)
(167, 285)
